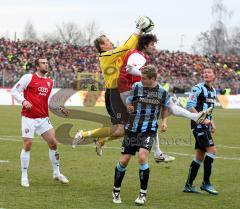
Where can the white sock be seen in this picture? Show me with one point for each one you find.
(54, 158)
(179, 111)
(143, 191)
(25, 159)
(155, 147)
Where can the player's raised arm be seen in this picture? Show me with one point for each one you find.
(143, 24)
(131, 43)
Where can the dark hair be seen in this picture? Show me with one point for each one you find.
(150, 71)
(97, 42)
(146, 39)
(37, 61)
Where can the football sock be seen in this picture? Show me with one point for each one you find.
(144, 175)
(156, 148)
(116, 189)
(143, 192)
(119, 174)
(208, 167)
(54, 158)
(179, 111)
(103, 140)
(193, 170)
(25, 159)
(96, 133)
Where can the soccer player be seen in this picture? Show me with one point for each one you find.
(36, 89)
(144, 103)
(131, 73)
(202, 96)
(111, 61)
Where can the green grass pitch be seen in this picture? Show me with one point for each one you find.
(91, 177)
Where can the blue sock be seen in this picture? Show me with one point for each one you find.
(144, 172)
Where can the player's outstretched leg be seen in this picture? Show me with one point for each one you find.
(197, 117)
(85, 135)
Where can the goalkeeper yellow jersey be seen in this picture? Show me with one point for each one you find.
(112, 61)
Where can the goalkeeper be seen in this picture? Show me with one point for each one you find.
(111, 61)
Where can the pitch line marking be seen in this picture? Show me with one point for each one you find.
(15, 138)
(107, 147)
(4, 161)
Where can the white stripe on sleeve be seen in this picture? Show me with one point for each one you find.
(20, 86)
(135, 62)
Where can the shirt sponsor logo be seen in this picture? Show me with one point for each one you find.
(149, 101)
(42, 91)
(210, 100)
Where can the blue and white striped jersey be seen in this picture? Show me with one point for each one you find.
(201, 97)
(147, 104)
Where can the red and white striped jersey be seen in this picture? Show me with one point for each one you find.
(36, 89)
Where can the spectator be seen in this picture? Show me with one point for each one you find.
(180, 69)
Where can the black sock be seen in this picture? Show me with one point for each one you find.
(208, 167)
(144, 176)
(119, 174)
(193, 170)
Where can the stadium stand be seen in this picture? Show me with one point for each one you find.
(180, 70)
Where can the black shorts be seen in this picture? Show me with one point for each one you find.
(203, 138)
(115, 107)
(132, 142)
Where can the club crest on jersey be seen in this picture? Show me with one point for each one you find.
(49, 84)
(26, 130)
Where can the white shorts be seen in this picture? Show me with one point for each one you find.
(30, 126)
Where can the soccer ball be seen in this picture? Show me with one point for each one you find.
(145, 24)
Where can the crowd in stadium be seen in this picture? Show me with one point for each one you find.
(180, 70)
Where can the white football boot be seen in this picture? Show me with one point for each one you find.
(60, 177)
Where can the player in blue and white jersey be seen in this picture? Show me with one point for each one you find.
(203, 96)
(147, 100)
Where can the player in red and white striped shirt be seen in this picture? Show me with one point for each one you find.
(36, 89)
